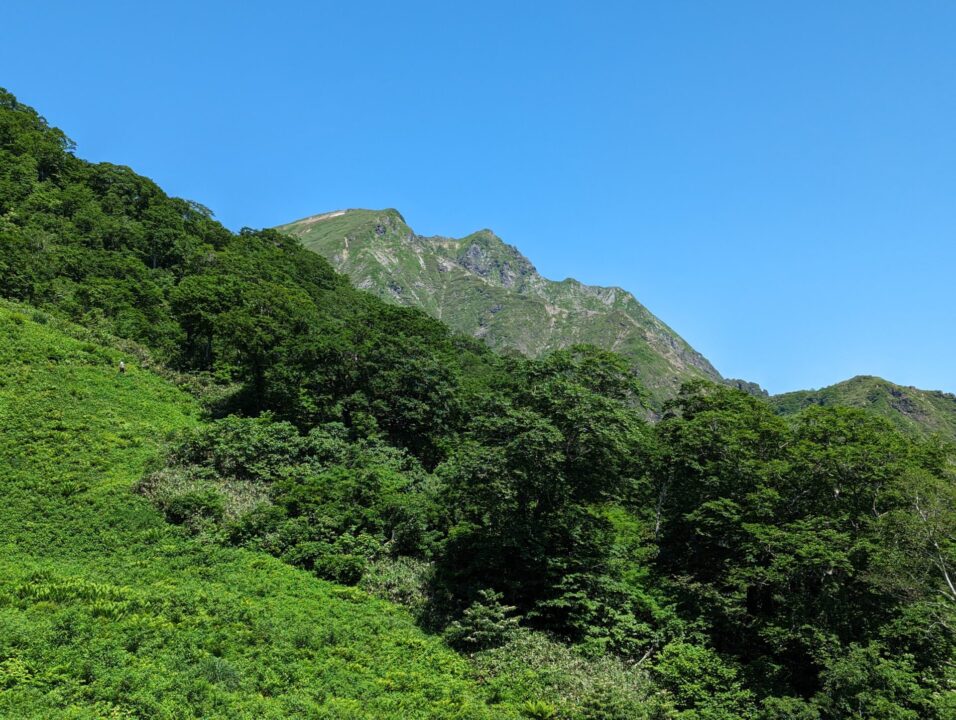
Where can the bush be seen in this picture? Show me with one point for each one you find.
(863, 683)
(195, 507)
(787, 708)
(485, 624)
(344, 569)
(401, 580)
(539, 710)
(220, 672)
(532, 666)
(704, 685)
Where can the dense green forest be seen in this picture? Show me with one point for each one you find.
(320, 458)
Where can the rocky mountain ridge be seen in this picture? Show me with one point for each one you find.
(484, 287)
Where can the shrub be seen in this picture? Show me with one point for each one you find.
(220, 672)
(539, 710)
(863, 683)
(485, 624)
(194, 507)
(401, 580)
(344, 569)
(702, 683)
(536, 667)
(787, 708)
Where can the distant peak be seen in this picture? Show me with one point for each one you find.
(393, 212)
(332, 214)
(483, 236)
(311, 219)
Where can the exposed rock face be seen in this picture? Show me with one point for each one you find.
(491, 259)
(484, 287)
(751, 388)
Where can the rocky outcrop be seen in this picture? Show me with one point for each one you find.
(751, 388)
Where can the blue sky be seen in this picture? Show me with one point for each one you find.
(776, 181)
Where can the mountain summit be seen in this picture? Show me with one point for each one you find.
(481, 286)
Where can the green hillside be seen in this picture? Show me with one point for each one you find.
(480, 286)
(108, 612)
(203, 534)
(921, 412)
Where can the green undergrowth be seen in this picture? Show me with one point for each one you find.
(106, 611)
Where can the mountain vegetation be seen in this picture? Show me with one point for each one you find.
(298, 500)
(482, 287)
(106, 611)
(920, 412)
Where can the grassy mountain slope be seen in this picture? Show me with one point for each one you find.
(108, 612)
(481, 286)
(920, 412)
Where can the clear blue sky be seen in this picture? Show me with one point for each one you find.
(777, 181)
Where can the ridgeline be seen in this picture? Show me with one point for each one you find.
(483, 287)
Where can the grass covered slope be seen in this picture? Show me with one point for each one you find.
(918, 412)
(480, 286)
(107, 611)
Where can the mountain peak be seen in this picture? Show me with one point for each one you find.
(482, 286)
(349, 215)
